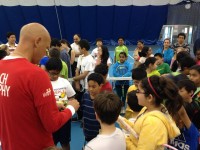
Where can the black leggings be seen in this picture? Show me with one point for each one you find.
(121, 92)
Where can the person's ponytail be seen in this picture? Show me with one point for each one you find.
(172, 99)
(164, 91)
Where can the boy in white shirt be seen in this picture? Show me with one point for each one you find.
(85, 66)
(107, 108)
(63, 92)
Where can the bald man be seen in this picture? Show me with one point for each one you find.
(75, 48)
(28, 110)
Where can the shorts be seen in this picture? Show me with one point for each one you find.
(63, 135)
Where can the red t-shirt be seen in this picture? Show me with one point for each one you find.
(28, 111)
(106, 87)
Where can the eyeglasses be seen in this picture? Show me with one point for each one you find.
(138, 91)
(54, 73)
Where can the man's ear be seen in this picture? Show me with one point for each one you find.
(37, 41)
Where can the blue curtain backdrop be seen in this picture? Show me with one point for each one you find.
(108, 22)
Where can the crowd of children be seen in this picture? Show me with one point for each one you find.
(162, 106)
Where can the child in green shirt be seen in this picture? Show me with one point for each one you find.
(163, 68)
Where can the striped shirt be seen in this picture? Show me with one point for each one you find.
(90, 125)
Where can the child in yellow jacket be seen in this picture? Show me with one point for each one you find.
(154, 126)
(137, 75)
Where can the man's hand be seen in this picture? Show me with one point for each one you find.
(73, 102)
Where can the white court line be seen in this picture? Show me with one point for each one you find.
(130, 56)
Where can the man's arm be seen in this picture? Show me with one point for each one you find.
(52, 119)
(45, 103)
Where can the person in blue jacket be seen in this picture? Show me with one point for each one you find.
(122, 68)
(166, 51)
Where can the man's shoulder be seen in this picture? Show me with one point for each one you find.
(33, 71)
(37, 70)
(26, 65)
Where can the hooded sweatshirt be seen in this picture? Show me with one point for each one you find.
(122, 70)
(153, 128)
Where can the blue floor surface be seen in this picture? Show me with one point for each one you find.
(77, 138)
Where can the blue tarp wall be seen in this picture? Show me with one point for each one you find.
(133, 22)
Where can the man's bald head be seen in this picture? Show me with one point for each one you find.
(33, 42)
(33, 30)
